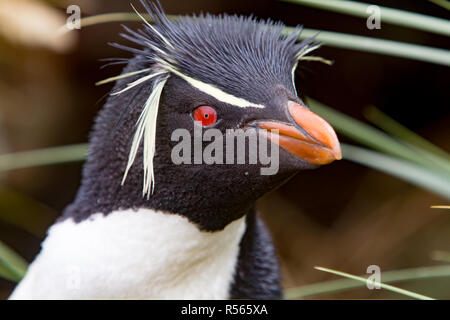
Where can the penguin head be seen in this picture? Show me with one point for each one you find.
(162, 141)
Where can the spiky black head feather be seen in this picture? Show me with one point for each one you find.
(218, 50)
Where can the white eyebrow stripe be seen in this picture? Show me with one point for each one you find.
(216, 92)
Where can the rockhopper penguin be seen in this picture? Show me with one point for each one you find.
(144, 227)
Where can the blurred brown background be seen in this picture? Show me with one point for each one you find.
(343, 216)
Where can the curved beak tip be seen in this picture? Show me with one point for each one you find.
(320, 131)
(338, 154)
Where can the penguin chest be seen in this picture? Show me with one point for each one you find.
(134, 255)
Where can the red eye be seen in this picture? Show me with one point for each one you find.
(206, 115)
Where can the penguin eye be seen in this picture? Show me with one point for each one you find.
(206, 115)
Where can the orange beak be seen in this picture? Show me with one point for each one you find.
(317, 145)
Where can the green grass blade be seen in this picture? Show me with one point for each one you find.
(388, 15)
(443, 3)
(7, 274)
(12, 266)
(347, 284)
(423, 146)
(333, 39)
(396, 129)
(366, 134)
(381, 46)
(432, 180)
(108, 17)
(42, 157)
(382, 285)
